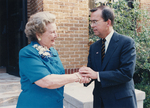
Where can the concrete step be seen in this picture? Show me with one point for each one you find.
(9, 98)
(9, 82)
(10, 106)
(9, 86)
(8, 78)
(10, 89)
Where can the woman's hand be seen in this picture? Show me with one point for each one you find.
(82, 79)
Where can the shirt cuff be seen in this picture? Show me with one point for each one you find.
(98, 78)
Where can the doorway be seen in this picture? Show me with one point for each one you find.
(13, 17)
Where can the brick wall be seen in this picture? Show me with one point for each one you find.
(145, 4)
(72, 23)
(34, 6)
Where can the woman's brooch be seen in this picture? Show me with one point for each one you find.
(44, 52)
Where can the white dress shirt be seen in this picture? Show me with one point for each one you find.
(108, 38)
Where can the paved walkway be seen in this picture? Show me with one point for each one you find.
(9, 90)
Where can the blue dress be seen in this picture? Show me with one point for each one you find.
(32, 68)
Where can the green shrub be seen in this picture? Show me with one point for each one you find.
(133, 22)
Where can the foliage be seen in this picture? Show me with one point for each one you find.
(133, 22)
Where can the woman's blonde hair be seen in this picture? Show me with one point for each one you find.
(37, 24)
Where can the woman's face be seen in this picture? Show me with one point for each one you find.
(49, 36)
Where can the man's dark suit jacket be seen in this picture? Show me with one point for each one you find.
(116, 86)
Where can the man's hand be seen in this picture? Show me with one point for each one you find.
(82, 79)
(88, 72)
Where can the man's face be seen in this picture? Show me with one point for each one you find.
(98, 24)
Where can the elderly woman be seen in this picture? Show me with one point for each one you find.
(41, 71)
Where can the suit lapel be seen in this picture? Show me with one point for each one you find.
(111, 49)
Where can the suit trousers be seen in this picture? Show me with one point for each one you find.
(98, 102)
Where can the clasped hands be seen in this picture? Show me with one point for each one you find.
(85, 74)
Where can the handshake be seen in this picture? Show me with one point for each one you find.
(85, 75)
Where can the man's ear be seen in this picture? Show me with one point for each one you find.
(108, 22)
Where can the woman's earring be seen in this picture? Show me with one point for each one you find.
(39, 39)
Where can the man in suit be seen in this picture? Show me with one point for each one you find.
(111, 63)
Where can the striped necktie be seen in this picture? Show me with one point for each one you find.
(103, 49)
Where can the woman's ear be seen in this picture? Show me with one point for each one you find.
(38, 36)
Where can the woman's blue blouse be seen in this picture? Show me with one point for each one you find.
(32, 68)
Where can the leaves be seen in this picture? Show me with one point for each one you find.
(133, 22)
